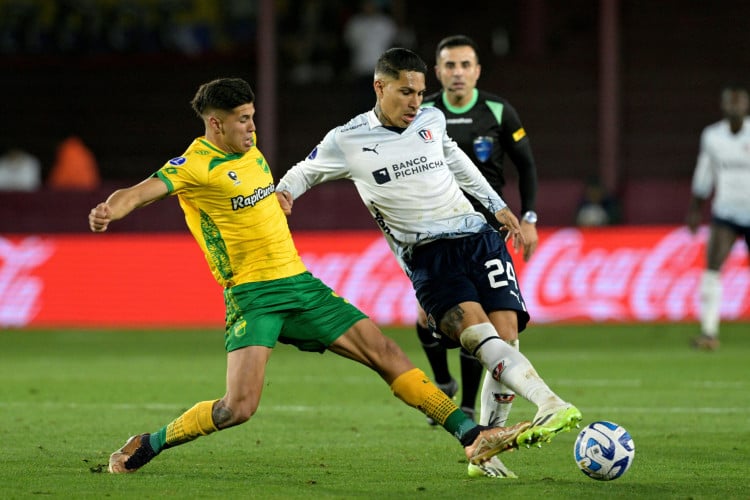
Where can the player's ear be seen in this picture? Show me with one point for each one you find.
(214, 123)
(378, 85)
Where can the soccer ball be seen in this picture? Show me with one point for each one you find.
(604, 450)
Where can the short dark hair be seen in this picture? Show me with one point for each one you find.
(733, 86)
(223, 93)
(394, 61)
(456, 41)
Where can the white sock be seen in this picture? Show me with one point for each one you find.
(496, 399)
(710, 301)
(508, 366)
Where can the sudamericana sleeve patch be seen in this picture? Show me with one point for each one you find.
(519, 134)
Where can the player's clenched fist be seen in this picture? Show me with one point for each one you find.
(100, 217)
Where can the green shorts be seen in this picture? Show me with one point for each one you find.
(300, 310)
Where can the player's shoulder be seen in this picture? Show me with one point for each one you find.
(431, 114)
(715, 130)
(357, 129)
(198, 153)
(484, 96)
(360, 122)
(495, 102)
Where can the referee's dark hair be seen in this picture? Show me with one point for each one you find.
(456, 41)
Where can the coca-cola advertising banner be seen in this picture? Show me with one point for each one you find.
(624, 274)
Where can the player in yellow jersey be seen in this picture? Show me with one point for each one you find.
(226, 190)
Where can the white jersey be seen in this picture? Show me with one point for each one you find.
(410, 182)
(724, 167)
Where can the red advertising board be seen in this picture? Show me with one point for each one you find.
(161, 280)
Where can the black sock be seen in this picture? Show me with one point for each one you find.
(471, 376)
(436, 355)
(471, 435)
(143, 454)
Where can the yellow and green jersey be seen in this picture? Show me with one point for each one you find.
(232, 211)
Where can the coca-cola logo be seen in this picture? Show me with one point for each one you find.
(19, 288)
(566, 279)
(627, 274)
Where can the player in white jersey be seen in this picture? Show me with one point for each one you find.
(410, 173)
(722, 169)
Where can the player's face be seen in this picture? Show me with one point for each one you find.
(235, 129)
(734, 104)
(458, 71)
(399, 100)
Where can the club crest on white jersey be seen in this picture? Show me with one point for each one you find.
(426, 135)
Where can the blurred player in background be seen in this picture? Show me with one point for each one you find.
(487, 128)
(410, 175)
(723, 168)
(226, 190)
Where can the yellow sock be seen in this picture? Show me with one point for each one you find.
(195, 422)
(415, 389)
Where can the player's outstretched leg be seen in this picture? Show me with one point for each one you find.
(450, 389)
(494, 440)
(548, 423)
(136, 453)
(513, 369)
(480, 442)
(140, 449)
(437, 356)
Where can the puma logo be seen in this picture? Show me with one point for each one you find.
(371, 150)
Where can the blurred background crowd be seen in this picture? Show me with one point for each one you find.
(112, 80)
(88, 27)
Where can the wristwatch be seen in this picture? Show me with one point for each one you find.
(530, 217)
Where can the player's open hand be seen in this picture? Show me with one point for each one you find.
(100, 217)
(286, 201)
(510, 223)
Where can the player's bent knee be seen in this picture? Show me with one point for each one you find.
(474, 336)
(228, 414)
(245, 412)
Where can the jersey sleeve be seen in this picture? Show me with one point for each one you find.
(703, 177)
(518, 148)
(468, 176)
(324, 163)
(181, 173)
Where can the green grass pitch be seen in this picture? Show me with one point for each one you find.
(329, 428)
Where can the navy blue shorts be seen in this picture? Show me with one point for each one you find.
(475, 268)
(738, 230)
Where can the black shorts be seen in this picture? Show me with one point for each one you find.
(476, 268)
(738, 230)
